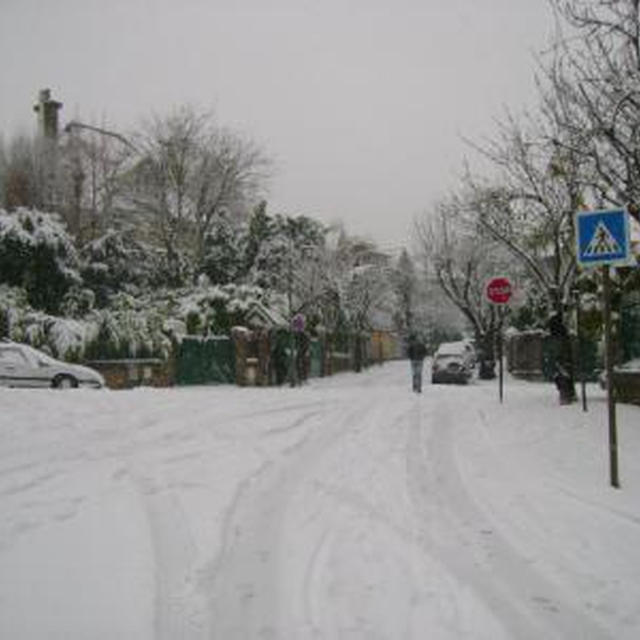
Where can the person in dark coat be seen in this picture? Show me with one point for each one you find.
(417, 353)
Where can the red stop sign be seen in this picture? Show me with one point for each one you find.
(499, 290)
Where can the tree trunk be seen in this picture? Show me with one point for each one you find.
(562, 359)
(358, 353)
(486, 357)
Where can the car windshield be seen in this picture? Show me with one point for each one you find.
(452, 357)
(452, 349)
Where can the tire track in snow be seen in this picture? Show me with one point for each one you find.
(317, 559)
(177, 606)
(332, 488)
(456, 530)
(246, 578)
(179, 610)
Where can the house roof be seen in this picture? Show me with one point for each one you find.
(260, 316)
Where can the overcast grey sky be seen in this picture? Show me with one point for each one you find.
(361, 103)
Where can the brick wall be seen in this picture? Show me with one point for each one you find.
(126, 374)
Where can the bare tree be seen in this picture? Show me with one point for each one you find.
(190, 172)
(594, 94)
(462, 258)
(356, 282)
(93, 161)
(529, 207)
(21, 174)
(76, 174)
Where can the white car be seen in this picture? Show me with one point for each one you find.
(24, 366)
(453, 362)
(462, 348)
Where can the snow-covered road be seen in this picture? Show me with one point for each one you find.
(349, 508)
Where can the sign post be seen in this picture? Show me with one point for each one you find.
(498, 291)
(608, 363)
(602, 239)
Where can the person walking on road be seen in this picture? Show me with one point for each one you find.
(416, 352)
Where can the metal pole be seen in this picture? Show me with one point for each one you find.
(611, 405)
(579, 362)
(74, 124)
(500, 369)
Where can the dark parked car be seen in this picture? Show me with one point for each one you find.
(24, 366)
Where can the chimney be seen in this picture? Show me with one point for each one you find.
(47, 110)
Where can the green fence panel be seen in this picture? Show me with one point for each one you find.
(590, 364)
(630, 327)
(280, 349)
(548, 357)
(205, 361)
(590, 361)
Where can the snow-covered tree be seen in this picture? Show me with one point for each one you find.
(356, 286)
(420, 307)
(259, 230)
(288, 257)
(215, 309)
(405, 283)
(117, 261)
(37, 254)
(223, 261)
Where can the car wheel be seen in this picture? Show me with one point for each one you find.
(64, 382)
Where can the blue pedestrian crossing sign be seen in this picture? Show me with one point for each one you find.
(602, 237)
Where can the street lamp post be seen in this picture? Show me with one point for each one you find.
(74, 124)
(78, 175)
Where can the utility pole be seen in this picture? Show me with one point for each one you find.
(47, 110)
(608, 361)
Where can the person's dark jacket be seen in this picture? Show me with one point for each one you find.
(417, 351)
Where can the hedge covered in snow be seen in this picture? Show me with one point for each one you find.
(132, 327)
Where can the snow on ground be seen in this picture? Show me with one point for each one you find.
(348, 508)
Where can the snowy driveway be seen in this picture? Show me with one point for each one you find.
(349, 508)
